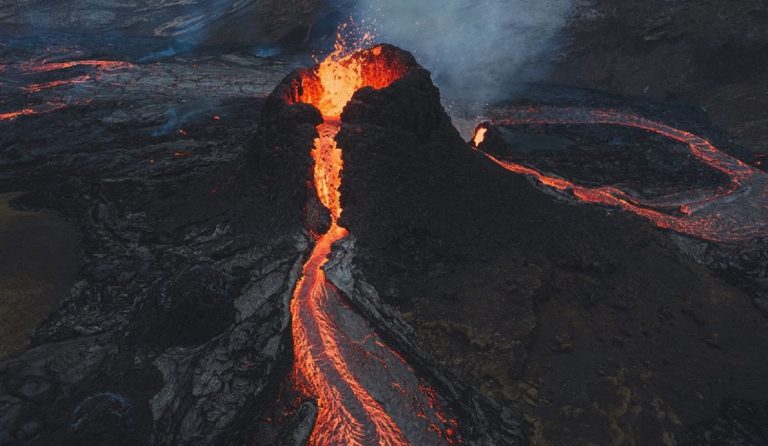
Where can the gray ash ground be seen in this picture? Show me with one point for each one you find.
(584, 325)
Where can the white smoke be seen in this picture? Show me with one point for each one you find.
(475, 48)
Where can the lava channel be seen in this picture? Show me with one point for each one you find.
(736, 214)
(366, 392)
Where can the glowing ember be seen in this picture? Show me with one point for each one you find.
(739, 213)
(334, 347)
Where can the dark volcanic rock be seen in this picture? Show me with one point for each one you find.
(737, 423)
(405, 106)
(177, 329)
(226, 21)
(592, 322)
(706, 52)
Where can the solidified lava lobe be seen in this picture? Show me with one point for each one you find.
(367, 394)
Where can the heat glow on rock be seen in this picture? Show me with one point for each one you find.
(738, 213)
(366, 392)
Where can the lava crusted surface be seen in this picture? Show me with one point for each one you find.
(176, 330)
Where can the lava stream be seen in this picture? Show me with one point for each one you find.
(737, 214)
(366, 393)
(45, 66)
(97, 69)
(35, 110)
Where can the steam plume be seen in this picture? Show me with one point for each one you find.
(473, 47)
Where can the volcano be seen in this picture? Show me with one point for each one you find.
(366, 391)
(297, 249)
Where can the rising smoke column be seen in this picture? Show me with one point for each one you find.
(472, 47)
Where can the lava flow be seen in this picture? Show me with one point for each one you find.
(367, 394)
(34, 110)
(97, 68)
(736, 214)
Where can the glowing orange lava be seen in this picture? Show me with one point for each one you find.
(45, 66)
(341, 74)
(34, 88)
(34, 67)
(479, 136)
(98, 68)
(328, 166)
(334, 347)
(739, 213)
(10, 116)
(36, 110)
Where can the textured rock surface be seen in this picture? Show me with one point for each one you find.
(177, 326)
(706, 52)
(217, 21)
(482, 421)
(591, 323)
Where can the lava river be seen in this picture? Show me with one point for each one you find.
(736, 214)
(366, 392)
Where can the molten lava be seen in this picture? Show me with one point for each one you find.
(10, 116)
(97, 68)
(366, 393)
(35, 110)
(479, 136)
(739, 213)
(45, 66)
(340, 75)
(327, 169)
